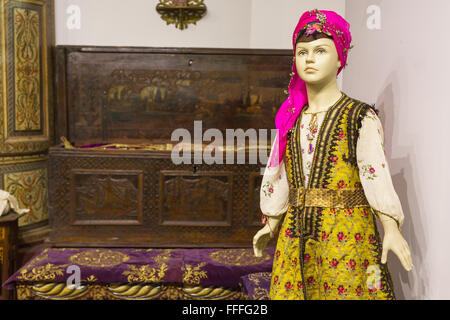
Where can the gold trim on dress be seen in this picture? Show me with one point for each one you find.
(329, 198)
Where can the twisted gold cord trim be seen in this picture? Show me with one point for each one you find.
(129, 291)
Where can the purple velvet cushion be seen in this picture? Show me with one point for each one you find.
(205, 267)
(257, 285)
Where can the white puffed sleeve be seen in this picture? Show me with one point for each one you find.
(274, 193)
(374, 169)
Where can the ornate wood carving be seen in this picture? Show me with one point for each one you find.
(26, 108)
(27, 181)
(178, 205)
(26, 77)
(106, 197)
(140, 96)
(129, 95)
(27, 70)
(196, 199)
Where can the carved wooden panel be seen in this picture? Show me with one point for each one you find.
(182, 205)
(26, 120)
(143, 94)
(27, 37)
(106, 197)
(195, 199)
(26, 179)
(27, 70)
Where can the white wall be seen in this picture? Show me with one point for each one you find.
(136, 23)
(273, 21)
(266, 24)
(227, 24)
(404, 69)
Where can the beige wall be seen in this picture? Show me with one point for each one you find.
(264, 24)
(228, 23)
(136, 23)
(404, 69)
(273, 21)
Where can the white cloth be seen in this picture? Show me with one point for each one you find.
(373, 171)
(9, 202)
(274, 192)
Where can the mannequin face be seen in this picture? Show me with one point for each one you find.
(321, 55)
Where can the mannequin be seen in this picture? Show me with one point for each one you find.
(317, 62)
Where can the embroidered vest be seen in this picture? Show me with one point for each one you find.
(334, 165)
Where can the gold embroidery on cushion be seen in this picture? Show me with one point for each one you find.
(193, 275)
(238, 257)
(45, 272)
(99, 258)
(260, 293)
(163, 257)
(256, 277)
(145, 273)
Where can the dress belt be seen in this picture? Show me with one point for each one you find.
(328, 198)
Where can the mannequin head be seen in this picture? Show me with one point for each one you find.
(328, 24)
(316, 51)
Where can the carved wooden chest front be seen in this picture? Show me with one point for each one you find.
(139, 196)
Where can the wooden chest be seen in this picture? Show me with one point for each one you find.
(140, 96)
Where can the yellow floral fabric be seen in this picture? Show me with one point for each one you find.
(329, 253)
(342, 264)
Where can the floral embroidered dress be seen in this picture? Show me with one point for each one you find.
(332, 252)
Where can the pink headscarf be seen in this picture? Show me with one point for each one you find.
(332, 24)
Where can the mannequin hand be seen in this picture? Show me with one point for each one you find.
(262, 237)
(260, 240)
(393, 240)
